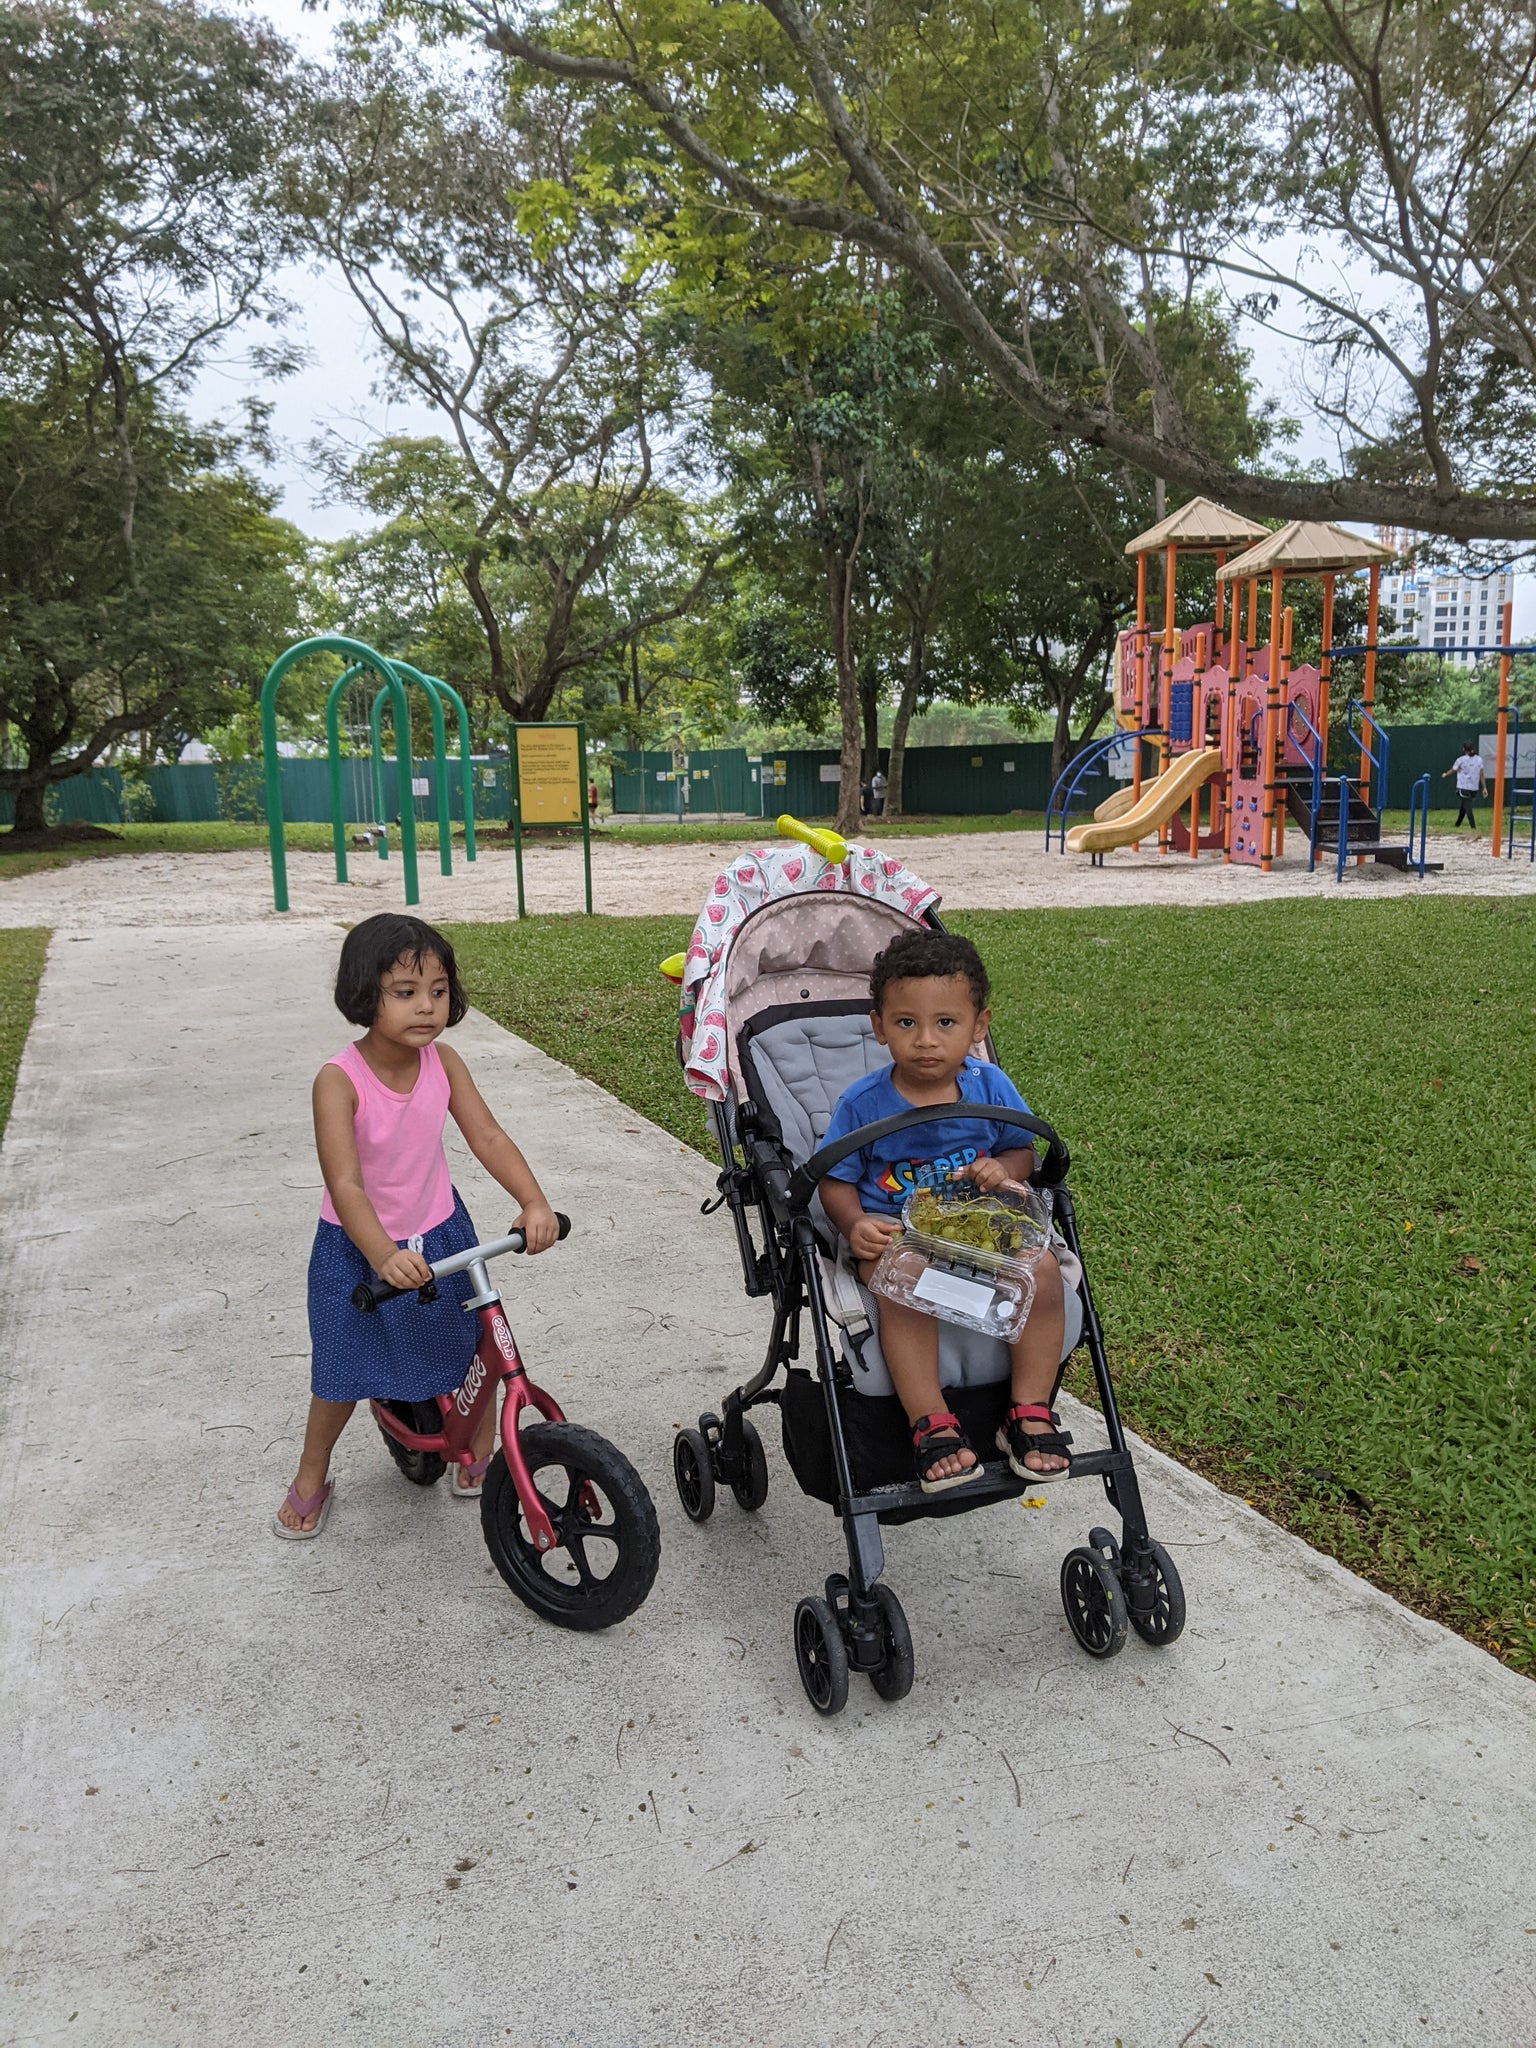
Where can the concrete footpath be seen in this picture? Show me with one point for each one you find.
(353, 1793)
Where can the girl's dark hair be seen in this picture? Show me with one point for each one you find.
(371, 948)
(926, 955)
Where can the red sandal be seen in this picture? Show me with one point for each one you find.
(1017, 1442)
(935, 1438)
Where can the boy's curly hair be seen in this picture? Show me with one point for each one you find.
(929, 955)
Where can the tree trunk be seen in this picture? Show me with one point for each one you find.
(839, 573)
(906, 705)
(869, 707)
(31, 796)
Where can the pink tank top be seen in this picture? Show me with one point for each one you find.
(400, 1146)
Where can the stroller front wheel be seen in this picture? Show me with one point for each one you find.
(1094, 1604)
(1157, 1601)
(694, 1473)
(893, 1681)
(751, 1489)
(821, 1656)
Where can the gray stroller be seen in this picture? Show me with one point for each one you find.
(788, 1012)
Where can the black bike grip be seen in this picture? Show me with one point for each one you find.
(563, 1221)
(369, 1295)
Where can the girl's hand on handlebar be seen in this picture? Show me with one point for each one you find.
(405, 1269)
(870, 1236)
(539, 1225)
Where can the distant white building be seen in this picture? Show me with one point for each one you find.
(1442, 609)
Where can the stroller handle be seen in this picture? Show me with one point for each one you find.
(1050, 1173)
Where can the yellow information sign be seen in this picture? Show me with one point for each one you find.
(549, 776)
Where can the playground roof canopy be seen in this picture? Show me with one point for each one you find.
(1202, 524)
(1306, 547)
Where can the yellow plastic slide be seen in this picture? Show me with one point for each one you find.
(1120, 822)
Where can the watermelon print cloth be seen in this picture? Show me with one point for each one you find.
(751, 880)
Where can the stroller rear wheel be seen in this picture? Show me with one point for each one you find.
(751, 1489)
(1161, 1621)
(893, 1681)
(1094, 1604)
(695, 1475)
(821, 1656)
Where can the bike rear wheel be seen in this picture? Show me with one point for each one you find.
(422, 1418)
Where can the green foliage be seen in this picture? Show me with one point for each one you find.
(1305, 1187)
(22, 954)
(536, 539)
(100, 638)
(1101, 174)
(136, 800)
(242, 791)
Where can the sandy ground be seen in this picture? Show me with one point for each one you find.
(976, 871)
(352, 1795)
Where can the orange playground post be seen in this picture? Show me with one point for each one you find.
(1271, 707)
(1141, 668)
(1506, 637)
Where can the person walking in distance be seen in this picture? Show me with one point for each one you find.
(1471, 782)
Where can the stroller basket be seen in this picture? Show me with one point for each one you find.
(775, 1028)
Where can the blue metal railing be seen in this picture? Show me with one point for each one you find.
(1361, 647)
(1513, 732)
(1418, 817)
(1378, 781)
(1091, 761)
(1338, 873)
(1314, 761)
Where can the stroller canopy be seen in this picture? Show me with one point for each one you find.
(782, 925)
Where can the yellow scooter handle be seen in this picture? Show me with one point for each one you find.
(672, 967)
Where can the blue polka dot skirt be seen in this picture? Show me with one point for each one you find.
(404, 1351)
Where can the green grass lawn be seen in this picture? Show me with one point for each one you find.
(21, 968)
(1302, 1136)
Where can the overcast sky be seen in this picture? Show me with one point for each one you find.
(333, 394)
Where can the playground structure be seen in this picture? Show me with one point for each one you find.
(1241, 730)
(394, 676)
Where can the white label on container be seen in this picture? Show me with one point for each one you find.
(970, 1297)
(420, 786)
(829, 772)
(1007, 767)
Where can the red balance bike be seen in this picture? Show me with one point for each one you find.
(566, 1517)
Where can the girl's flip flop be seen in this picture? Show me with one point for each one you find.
(474, 1473)
(304, 1509)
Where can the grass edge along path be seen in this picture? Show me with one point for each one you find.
(22, 954)
(1301, 1151)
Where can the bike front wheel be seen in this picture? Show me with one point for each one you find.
(607, 1543)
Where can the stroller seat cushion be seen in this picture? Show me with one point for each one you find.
(798, 1061)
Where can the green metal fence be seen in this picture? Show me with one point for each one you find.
(715, 782)
(944, 781)
(205, 792)
(941, 781)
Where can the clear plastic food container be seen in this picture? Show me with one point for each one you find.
(967, 1257)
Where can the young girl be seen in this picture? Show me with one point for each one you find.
(389, 1205)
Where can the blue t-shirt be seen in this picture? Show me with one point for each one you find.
(888, 1170)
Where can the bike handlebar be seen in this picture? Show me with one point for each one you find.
(370, 1295)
